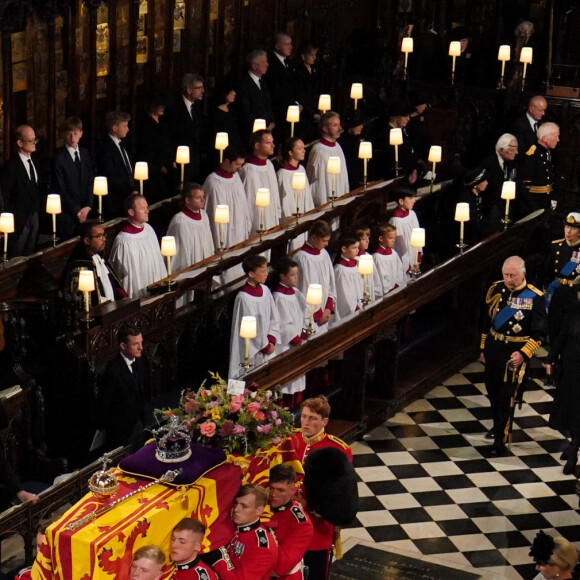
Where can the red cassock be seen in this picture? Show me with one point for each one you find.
(194, 570)
(251, 554)
(297, 448)
(293, 530)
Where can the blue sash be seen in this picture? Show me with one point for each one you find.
(566, 270)
(550, 291)
(507, 311)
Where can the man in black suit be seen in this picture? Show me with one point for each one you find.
(283, 84)
(72, 179)
(19, 181)
(188, 125)
(253, 97)
(500, 167)
(121, 395)
(114, 163)
(525, 127)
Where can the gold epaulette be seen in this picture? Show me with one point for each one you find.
(531, 150)
(559, 241)
(536, 290)
(338, 441)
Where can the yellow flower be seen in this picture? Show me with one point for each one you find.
(215, 414)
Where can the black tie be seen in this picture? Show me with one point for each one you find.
(260, 83)
(77, 161)
(286, 62)
(192, 112)
(536, 127)
(505, 171)
(134, 372)
(125, 158)
(32, 174)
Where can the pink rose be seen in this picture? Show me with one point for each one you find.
(264, 429)
(214, 403)
(190, 406)
(239, 430)
(238, 399)
(235, 406)
(274, 414)
(205, 393)
(278, 422)
(254, 407)
(208, 428)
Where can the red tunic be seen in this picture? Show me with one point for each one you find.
(297, 448)
(194, 570)
(251, 554)
(293, 530)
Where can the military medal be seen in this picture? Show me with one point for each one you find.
(519, 315)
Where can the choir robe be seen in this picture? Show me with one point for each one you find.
(137, 259)
(349, 287)
(193, 238)
(388, 274)
(223, 188)
(288, 199)
(315, 267)
(370, 279)
(293, 313)
(320, 180)
(253, 301)
(259, 173)
(405, 221)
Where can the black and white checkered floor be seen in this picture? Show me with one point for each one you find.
(426, 488)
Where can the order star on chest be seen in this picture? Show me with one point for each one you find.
(519, 315)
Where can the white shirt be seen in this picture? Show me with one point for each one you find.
(25, 160)
(72, 152)
(255, 78)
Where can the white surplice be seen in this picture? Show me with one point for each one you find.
(388, 274)
(193, 239)
(137, 260)
(405, 225)
(349, 287)
(320, 180)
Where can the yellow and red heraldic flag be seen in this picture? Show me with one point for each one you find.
(102, 548)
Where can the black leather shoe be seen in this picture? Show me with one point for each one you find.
(570, 467)
(495, 450)
(489, 435)
(565, 453)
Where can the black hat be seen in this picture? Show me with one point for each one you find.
(542, 548)
(330, 485)
(354, 119)
(459, 33)
(475, 177)
(401, 109)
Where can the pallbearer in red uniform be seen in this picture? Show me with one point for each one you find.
(185, 545)
(315, 413)
(289, 523)
(252, 553)
(147, 563)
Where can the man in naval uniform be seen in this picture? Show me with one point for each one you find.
(537, 170)
(516, 322)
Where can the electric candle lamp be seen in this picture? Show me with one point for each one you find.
(314, 299)
(222, 217)
(396, 139)
(53, 207)
(365, 152)
(262, 201)
(504, 54)
(417, 241)
(86, 285)
(168, 249)
(182, 158)
(333, 168)
(6, 227)
(259, 125)
(100, 189)
(461, 216)
(293, 116)
(508, 192)
(406, 48)
(434, 157)
(526, 56)
(248, 330)
(454, 52)
(356, 93)
(141, 173)
(324, 103)
(366, 268)
(221, 143)
(298, 185)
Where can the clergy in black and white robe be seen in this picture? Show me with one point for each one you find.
(320, 180)
(137, 259)
(315, 267)
(253, 301)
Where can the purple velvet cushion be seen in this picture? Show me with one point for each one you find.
(145, 464)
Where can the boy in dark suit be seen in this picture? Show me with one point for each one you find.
(72, 179)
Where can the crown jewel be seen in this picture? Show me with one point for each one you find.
(173, 441)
